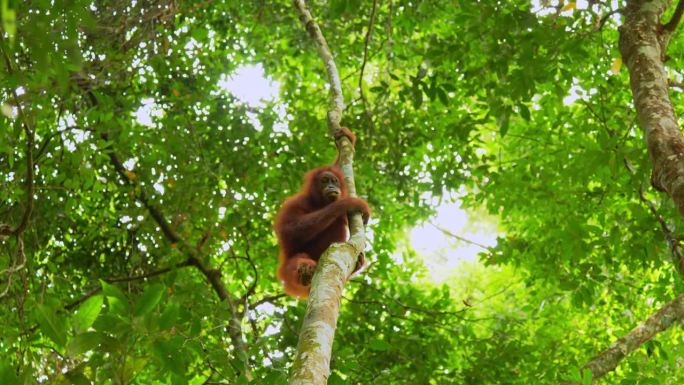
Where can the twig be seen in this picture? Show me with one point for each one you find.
(369, 34)
(5, 230)
(337, 98)
(140, 277)
(252, 288)
(404, 306)
(672, 240)
(671, 25)
(675, 84)
(29, 155)
(269, 298)
(49, 138)
(389, 31)
(460, 238)
(606, 17)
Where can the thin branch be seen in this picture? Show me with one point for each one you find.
(30, 137)
(252, 288)
(140, 277)
(671, 25)
(610, 358)
(6, 230)
(675, 84)
(337, 98)
(367, 40)
(415, 309)
(213, 276)
(389, 32)
(49, 138)
(460, 238)
(606, 17)
(672, 240)
(270, 298)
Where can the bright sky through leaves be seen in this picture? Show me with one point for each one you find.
(249, 84)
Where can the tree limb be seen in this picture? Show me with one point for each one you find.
(30, 138)
(213, 276)
(671, 25)
(140, 277)
(336, 97)
(460, 238)
(5, 229)
(366, 44)
(609, 359)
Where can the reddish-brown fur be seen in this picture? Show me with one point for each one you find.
(307, 224)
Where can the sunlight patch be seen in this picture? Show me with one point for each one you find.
(250, 85)
(147, 111)
(443, 253)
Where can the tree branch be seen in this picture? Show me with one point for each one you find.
(140, 277)
(336, 97)
(30, 137)
(6, 229)
(211, 275)
(609, 359)
(675, 84)
(671, 25)
(366, 44)
(672, 240)
(460, 238)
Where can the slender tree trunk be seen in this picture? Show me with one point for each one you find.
(312, 360)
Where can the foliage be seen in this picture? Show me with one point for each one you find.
(453, 96)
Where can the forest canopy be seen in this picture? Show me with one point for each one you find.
(523, 161)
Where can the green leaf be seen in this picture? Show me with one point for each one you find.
(379, 345)
(77, 378)
(574, 375)
(443, 97)
(87, 313)
(169, 316)
(277, 378)
(8, 15)
(113, 291)
(52, 325)
(84, 342)
(504, 121)
(335, 379)
(7, 374)
(417, 97)
(587, 377)
(524, 112)
(118, 303)
(148, 300)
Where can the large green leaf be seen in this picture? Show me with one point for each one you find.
(148, 300)
(54, 326)
(84, 342)
(87, 313)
